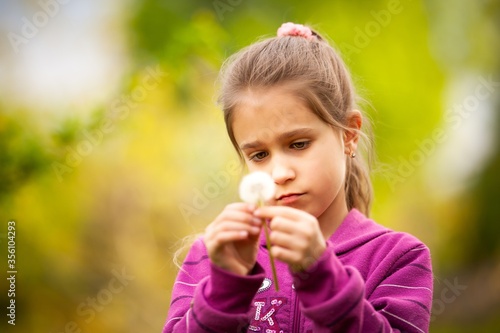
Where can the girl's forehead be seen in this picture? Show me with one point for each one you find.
(270, 115)
(268, 109)
(274, 102)
(259, 95)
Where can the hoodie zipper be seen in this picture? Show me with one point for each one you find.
(296, 314)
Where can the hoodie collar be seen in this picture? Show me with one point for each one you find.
(354, 231)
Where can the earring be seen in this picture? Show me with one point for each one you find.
(353, 154)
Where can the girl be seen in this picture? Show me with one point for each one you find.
(290, 111)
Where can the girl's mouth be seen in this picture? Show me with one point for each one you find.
(289, 198)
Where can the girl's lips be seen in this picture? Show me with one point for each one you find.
(289, 198)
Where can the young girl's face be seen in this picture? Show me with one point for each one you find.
(277, 133)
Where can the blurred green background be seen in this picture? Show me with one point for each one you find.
(112, 148)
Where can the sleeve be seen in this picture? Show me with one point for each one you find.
(334, 296)
(206, 298)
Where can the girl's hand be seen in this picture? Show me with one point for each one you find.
(232, 239)
(295, 236)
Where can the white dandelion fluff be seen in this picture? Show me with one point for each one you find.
(257, 186)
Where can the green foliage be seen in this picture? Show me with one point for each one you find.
(22, 154)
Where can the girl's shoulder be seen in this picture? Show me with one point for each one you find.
(376, 251)
(360, 233)
(198, 249)
(196, 264)
(196, 252)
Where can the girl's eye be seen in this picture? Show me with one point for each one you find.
(258, 156)
(300, 145)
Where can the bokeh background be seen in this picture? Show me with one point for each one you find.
(112, 149)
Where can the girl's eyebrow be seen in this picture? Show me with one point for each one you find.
(281, 136)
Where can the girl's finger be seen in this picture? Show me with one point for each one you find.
(268, 212)
(287, 240)
(285, 255)
(239, 216)
(235, 226)
(225, 237)
(241, 206)
(284, 225)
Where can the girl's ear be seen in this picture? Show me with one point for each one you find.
(351, 135)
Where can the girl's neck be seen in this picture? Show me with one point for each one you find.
(333, 216)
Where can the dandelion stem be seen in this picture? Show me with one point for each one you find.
(271, 258)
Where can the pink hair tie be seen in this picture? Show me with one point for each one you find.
(293, 29)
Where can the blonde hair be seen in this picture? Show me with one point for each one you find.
(319, 76)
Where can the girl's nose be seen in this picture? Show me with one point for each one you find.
(282, 173)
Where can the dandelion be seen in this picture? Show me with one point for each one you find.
(257, 188)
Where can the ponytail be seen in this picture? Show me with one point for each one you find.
(358, 187)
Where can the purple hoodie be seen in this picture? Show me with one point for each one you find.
(369, 279)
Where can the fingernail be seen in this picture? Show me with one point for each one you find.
(255, 230)
(256, 221)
